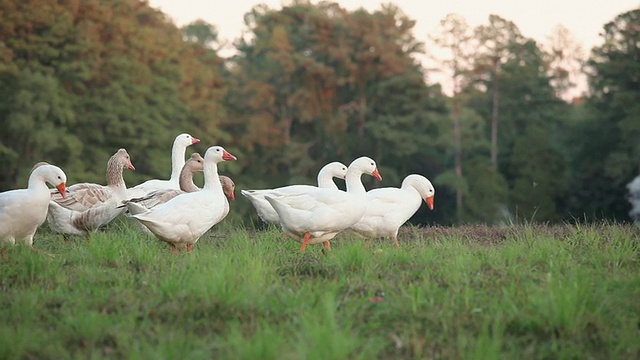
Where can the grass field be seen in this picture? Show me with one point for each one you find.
(520, 292)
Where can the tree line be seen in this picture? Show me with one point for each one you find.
(315, 83)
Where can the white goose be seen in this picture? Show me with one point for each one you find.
(265, 210)
(389, 208)
(317, 215)
(178, 150)
(182, 220)
(89, 206)
(22, 211)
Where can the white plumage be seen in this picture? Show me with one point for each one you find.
(388, 208)
(182, 220)
(22, 211)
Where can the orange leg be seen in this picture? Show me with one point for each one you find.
(327, 244)
(190, 247)
(395, 242)
(367, 243)
(307, 236)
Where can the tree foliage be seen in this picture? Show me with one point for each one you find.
(83, 78)
(610, 157)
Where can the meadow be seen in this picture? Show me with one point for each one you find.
(469, 292)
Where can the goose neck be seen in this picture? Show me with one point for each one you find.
(186, 181)
(177, 161)
(211, 178)
(354, 182)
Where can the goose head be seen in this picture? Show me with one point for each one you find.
(195, 163)
(218, 154)
(228, 187)
(120, 160)
(184, 140)
(52, 175)
(336, 169)
(365, 165)
(423, 186)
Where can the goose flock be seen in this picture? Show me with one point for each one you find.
(178, 212)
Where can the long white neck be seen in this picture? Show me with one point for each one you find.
(354, 181)
(37, 183)
(211, 178)
(177, 162)
(325, 179)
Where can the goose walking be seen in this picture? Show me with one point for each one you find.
(388, 208)
(265, 210)
(89, 206)
(316, 215)
(182, 220)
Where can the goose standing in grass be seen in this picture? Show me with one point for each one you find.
(182, 220)
(22, 211)
(180, 144)
(389, 208)
(316, 215)
(89, 206)
(265, 210)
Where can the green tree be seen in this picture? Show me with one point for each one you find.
(316, 83)
(83, 78)
(607, 140)
(496, 41)
(538, 176)
(456, 37)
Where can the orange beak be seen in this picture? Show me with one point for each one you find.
(429, 201)
(227, 156)
(62, 187)
(232, 196)
(130, 166)
(194, 140)
(376, 174)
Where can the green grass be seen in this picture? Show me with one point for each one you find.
(528, 292)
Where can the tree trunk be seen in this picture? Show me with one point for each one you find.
(494, 116)
(361, 108)
(457, 140)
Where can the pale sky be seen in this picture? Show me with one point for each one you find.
(535, 19)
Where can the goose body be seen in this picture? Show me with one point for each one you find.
(388, 208)
(22, 211)
(266, 211)
(89, 206)
(182, 220)
(317, 215)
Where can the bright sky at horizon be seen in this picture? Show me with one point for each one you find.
(535, 19)
(584, 19)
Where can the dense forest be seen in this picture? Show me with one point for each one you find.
(315, 83)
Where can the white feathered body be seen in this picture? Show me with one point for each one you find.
(22, 211)
(387, 209)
